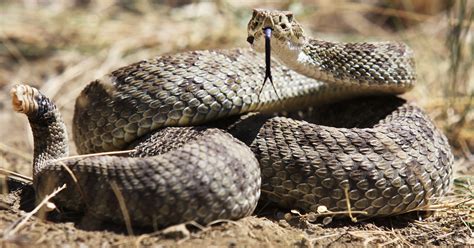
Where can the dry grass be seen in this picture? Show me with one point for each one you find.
(12, 230)
(60, 47)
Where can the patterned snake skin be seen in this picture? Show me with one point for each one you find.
(377, 154)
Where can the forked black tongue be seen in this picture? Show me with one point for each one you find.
(268, 59)
(268, 55)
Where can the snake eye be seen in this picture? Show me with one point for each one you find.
(250, 39)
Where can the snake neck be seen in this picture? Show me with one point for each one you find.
(381, 66)
(49, 131)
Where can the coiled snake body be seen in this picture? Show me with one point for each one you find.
(375, 154)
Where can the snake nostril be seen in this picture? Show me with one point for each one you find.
(250, 39)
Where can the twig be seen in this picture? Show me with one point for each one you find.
(389, 242)
(11, 47)
(95, 154)
(9, 173)
(324, 237)
(9, 149)
(11, 230)
(52, 86)
(341, 212)
(440, 237)
(223, 221)
(74, 178)
(123, 207)
(467, 225)
(348, 204)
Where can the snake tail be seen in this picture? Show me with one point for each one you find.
(47, 125)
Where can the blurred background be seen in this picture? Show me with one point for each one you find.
(61, 45)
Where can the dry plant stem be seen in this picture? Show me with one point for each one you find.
(74, 178)
(370, 236)
(465, 149)
(324, 237)
(348, 204)
(123, 206)
(53, 86)
(456, 41)
(440, 237)
(12, 230)
(142, 237)
(349, 212)
(340, 212)
(221, 221)
(400, 237)
(461, 55)
(9, 173)
(389, 242)
(446, 205)
(11, 47)
(9, 149)
(467, 225)
(95, 154)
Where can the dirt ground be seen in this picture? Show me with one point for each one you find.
(60, 46)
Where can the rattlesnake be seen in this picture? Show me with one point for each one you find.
(375, 154)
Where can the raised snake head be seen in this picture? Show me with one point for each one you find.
(286, 31)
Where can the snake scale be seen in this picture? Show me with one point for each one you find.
(202, 143)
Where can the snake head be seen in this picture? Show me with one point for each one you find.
(286, 31)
